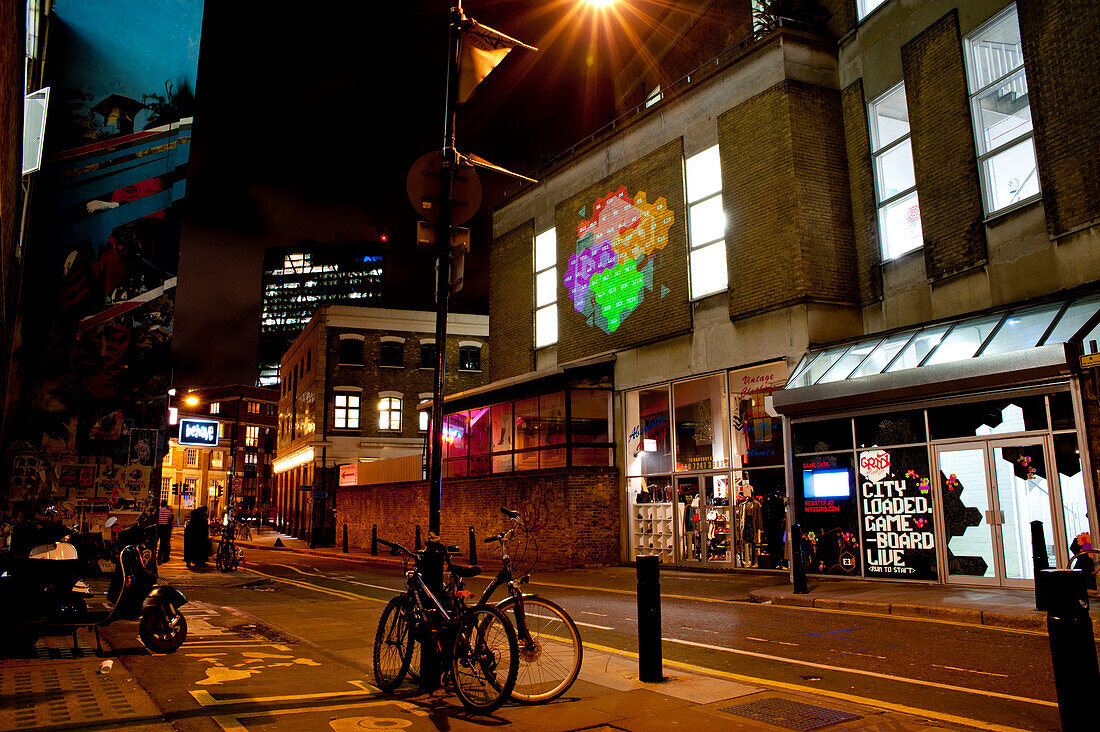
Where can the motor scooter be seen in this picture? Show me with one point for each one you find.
(44, 598)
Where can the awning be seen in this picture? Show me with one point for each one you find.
(986, 351)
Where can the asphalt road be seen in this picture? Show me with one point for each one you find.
(995, 675)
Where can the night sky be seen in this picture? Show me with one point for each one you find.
(306, 126)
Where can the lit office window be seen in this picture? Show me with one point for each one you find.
(251, 436)
(346, 411)
(546, 289)
(1001, 113)
(864, 7)
(389, 413)
(706, 223)
(895, 182)
(192, 457)
(215, 408)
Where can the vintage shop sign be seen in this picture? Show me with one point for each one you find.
(896, 504)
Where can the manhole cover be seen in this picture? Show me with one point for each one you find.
(790, 714)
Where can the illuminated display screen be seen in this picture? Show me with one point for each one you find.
(826, 483)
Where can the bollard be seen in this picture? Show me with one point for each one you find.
(417, 542)
(1040, 562)
(473, 547)
(345, 545)
(374, 540)
(649, 619)
(1072, 646)
(798, 566)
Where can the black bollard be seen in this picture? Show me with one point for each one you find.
(374, 540)
(1040, 562)
(417, 542)
(649, 619)
(473, 547)
(345, 545)
(1072, 646)
(798, 566)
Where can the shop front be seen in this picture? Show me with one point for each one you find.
(705, 480)
(910, 465)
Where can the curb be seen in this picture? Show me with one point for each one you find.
(349, 557)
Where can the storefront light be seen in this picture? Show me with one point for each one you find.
(299, 458)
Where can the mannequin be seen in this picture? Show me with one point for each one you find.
(748, 524)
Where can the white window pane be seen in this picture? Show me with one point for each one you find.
(889, 118)
(708, 221)
(546, 326)
(964, 339)
(1022, 329)
(704, 174)
(424, 418)
(866, 6)
(383, 420)
(894, 169)
(545, 284)
(341, 400)
(546, 250)
(1011, 175)
(994, 50)
(353, 401)
(1002, 113)
(708, 269)
(353, 420)
(899, 224)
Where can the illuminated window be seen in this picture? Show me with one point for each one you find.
(192, 457)
(425, 419)
(252, 407)
(864, 7)
(167, 457)
(469, 357)
(165, 487)
(389, 413)
(346, 411)
(706, 223)
(215, 408)
(1001, 113)
(546, 289)
(251, 436)
(251, 458)
(216, 458)
(895, 182)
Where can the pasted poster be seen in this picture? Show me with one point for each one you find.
(828, 515)
(622, 258)
(897, 513)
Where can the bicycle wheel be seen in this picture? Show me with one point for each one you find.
(550, 650)
(393, 645)
(485, 660)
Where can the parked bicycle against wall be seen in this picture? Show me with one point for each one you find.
(476, 645)
(550, 649)
(229, 555)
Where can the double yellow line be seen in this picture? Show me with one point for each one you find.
(318, 588)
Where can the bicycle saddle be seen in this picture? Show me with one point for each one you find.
(463, 570)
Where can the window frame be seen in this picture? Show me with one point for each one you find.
(549, 238)
(251, 436)
(391, 346)
(708, 196)
(861, 8)
(469, 347)
(880, 151)
(344, 337)
(389, 410)
(191, 457)
(976, 94)
(347, 412)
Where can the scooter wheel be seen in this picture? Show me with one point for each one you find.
(161, 634)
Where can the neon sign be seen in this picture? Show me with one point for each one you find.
(198, 432)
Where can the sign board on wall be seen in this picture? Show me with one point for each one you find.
(896, 510)
(349, 474)
(198, 432)
(622, 258)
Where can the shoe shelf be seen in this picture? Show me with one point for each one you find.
(652, 529)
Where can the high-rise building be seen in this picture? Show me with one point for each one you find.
(299, 279)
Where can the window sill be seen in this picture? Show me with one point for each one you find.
(390, 366)
(469, 371)
(350, 364)
(1000, 213)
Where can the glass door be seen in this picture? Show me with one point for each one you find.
(991, 491)
(717, 525)
(688, 518)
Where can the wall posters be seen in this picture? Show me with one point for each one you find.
(896, 505)
(828, 514)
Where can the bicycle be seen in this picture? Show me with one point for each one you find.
(550, 647)
(229, 555)
(477, 644)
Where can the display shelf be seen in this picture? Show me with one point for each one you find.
(651, 526)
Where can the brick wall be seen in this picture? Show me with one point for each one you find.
(1060, 55)
(943, 150)
(511, 298)
(574, 514)
(664, 310)
(786, 198)
(862, 190)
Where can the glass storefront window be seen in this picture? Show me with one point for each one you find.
(828, 510)
(1004, 416)
(502, 429)
(590, 415)
(651, 516)
(552, 419)
(1061, 411)
(890, 428)
(1075, 510)
(648, 437)
(552, 458)
(454, 435)
(822, 436)
(897, 513)
(759, 518)
(757, 435)
(479, 431)
(527, 425)
(528, 460)
(593, 456)
(701, 423)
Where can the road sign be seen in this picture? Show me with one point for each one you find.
(1090, 360)
(320, 494)
(238, 483)
(423, 184)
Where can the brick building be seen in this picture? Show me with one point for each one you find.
(841, 274)
(238, 469)
(353, 385)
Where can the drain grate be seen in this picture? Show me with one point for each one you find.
(790, 714)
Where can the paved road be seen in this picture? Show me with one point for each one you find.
(949, 670)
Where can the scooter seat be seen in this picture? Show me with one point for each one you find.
(97, 615)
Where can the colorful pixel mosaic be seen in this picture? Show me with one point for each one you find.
(617, 248)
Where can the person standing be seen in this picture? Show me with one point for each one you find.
(164, 532)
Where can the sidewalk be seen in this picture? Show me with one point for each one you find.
(1005, 608)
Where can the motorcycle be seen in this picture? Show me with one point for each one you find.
(45, 597)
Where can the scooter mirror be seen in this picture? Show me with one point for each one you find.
(110, 522)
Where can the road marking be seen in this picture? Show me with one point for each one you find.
(316, 588)
(318, 573)
(861, 672)
(314, 573)
(852, 698)
(598, 615)
(555, 617)
(232, 723)
(758, 640)
(857, 613)
(206, 699)
(968, 670)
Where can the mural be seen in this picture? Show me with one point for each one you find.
(613, 267)
(95, 358)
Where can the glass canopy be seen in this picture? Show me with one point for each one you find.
(982, 335)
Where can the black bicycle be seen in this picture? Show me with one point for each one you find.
(476, 645)
(228, 555)
(550, 648)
